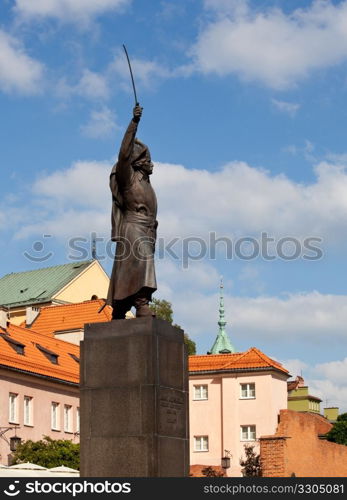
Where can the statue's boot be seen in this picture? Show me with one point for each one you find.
(142, 307)
(143, 311)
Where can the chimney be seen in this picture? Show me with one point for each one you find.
(31, 314)
(331, 413)
(3, 318)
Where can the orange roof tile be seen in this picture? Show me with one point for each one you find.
(34, 360)
(252, 359)
(70, 316)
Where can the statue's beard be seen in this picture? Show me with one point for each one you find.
(144, 166)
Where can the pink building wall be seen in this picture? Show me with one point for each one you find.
(221, 416)
(43, 392)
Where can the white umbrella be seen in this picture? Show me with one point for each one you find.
(26, 466)
(64, 469)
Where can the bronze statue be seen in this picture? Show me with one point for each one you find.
(134, 224)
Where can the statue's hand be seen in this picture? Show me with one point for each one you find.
(137, 112)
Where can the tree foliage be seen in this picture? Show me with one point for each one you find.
(48, 453)
(251, 464)
(211, 472)
(163, 310)
(338, 433)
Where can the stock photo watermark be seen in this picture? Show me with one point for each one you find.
(185, 250)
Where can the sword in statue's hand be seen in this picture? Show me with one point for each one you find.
(131, 74)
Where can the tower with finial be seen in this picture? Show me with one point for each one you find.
(222, 344)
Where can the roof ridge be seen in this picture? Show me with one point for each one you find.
(265, 357)
(212, 355)
(49, 267)
(73, 303)
(243, 354)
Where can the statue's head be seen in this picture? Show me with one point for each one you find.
(141, 158)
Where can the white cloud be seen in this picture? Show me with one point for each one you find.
(312, 312)
(295, 367)
(146, 73)
(336, 371)
(102, 124)
(84, 184)
(331, 393)
(66, 224)
(91, 85)
(217, 202)
(289, 108)
(18, 71)
(67, 10)
(272, 47)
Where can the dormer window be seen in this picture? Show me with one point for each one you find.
(50, 355)
(16, 346)
(76, 358)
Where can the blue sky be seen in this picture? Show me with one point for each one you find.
(245, 116)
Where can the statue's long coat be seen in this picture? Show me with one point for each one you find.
(134, 211)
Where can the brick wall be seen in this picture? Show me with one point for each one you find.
(272, 456)
(296, 448)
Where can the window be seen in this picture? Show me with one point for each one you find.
(13, 408)
(28, 410)
(55, 416)
(200, 392)
(67, 418)
(16, 346)
(248, 433)
(200, 443)
(78, 420)
(247, 391)
(50, 355)
(74, 357)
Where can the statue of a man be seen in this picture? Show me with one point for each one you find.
(134, 224)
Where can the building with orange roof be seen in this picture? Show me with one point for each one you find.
(39, 377)
(234, 399)
(67, 321)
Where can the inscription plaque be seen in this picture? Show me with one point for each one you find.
(171, 414)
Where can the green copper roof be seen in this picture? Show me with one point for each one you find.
(38, 286)
(222, 344)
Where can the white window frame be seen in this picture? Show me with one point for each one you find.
(55, 416)
(201, 443)
(67, 418)
(13, 408)
(78, 420)
(250, 387)
(28, 411)
(199, 391)
(251, 431)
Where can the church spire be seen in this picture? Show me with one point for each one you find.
(222, 344)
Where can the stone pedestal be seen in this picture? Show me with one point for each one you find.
(134, 400)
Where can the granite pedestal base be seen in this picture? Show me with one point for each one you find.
(134, 400)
